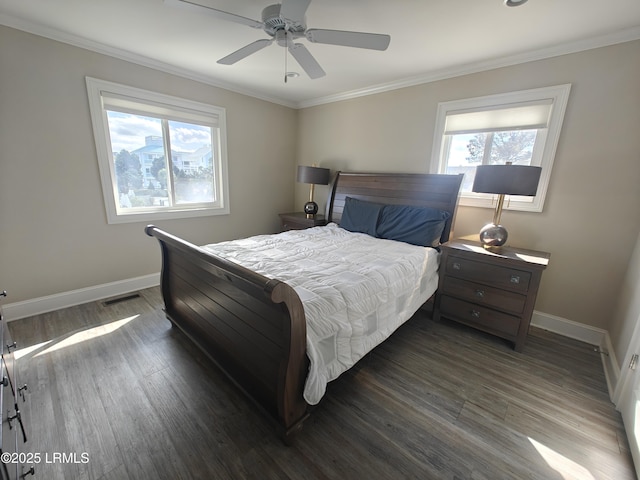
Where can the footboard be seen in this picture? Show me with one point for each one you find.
(251, 326)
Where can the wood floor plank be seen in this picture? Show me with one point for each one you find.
(435, 401)
(505, 446)
(145, 453)
(590, 453)
(435, 443)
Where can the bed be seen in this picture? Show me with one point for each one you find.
(240, 305)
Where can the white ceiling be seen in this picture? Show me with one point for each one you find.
(430, 39)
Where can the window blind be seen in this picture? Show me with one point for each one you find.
(124, 104)
(528, 116)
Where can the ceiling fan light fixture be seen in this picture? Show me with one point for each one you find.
(514, 3)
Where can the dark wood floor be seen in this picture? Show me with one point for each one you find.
(435, 401)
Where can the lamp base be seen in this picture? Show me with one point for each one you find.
(310, 208)
(493, 235)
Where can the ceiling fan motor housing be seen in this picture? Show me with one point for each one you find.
(273, 22)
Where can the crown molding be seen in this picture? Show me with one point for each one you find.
(621, 36)
(81, 42)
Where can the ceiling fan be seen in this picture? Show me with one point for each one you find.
(285, 22)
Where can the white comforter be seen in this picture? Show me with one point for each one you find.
(356, 290)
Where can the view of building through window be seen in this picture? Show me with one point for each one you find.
(160, 162)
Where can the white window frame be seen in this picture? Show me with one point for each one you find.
(544, 149)
(165, 106)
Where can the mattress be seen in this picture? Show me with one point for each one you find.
(356, 289)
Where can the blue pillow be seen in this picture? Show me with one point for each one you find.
(360, 216)
(416, 225)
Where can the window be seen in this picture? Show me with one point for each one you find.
(520, 127)
(160, 157)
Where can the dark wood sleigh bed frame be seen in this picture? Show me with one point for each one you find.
(253, 327)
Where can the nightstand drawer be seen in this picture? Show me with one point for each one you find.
(498, 276)
(484, 295)
(299, 221)
(481, 317)
(293, 226)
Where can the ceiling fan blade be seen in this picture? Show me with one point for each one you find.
(294, 9)
(306, 60)
(245, 52)
(372, 41)
(222, 15)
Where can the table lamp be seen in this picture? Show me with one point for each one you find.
(503, 180)
(314, 176)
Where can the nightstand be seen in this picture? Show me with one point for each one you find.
(493, 290)
(299, 221)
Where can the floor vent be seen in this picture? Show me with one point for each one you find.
(125, 298)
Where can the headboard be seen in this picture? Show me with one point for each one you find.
(417, 189)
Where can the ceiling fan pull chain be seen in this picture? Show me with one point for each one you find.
(286, 50)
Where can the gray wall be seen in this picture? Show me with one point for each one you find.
(591, 216)
(55, 237)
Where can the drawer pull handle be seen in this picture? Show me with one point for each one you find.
(457, 266)
(475, 313)
(31, 471)
(12, 418)
(18, 417)
(480, 293)
(21, 391)
(5, 381)
(10, 346)
(515, 278)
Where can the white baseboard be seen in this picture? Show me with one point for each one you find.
(568, 328)
(36, 306)
(597, 337)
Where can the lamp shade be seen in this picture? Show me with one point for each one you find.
(313, 175)
(507, 179)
